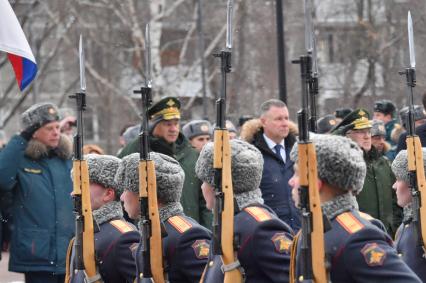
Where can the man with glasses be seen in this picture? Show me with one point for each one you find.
(377, 197)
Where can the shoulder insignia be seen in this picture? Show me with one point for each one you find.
(180, 223)
(201, 249)
(282, 243)
(366, 216)
(258, 213)
(31, 170)
(349, 222)
(373, 254)
(121, 226)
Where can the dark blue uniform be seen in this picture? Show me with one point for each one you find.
(115, 243)
(360, 252)
(264, 243)
(185, 249)
(406, 243)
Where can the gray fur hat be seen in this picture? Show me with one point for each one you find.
(197, 128)
(39, 115)
(102, 170)
(378, 128)
(169, 174)
(340, 162)
(246, 166)
(131, 133)
(400, 165)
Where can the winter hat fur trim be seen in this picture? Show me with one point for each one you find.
(340, 162)
(169, 175)
(246, 166)
(39, 115)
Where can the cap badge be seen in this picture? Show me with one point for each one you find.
(170, 102)
(362, 113)
(204, 128)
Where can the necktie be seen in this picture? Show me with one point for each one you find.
(278, 152)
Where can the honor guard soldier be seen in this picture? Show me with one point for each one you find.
(114, 238)
(186, 244)
(406, 239)
(357, 250)
(263, 240)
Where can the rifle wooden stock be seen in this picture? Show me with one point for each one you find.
(222, 161)
(148, 188)
(415, 164)
(81, 187)
(308, 178)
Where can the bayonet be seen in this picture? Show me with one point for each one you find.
(82, 69)
(411, 42)
(308, 26)
(229, 11)
(148, 80)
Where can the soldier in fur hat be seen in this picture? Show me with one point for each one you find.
(35, 167)
(114, 237)
(263, 240)
(187, 243)
(407, 238)
(357, 251)
(198, 132)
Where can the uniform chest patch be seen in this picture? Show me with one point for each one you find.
(33, 171)
(373, 254)
(201, 249)
(179, 223)
(282, 243)
(258, 213)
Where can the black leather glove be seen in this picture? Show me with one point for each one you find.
(28, 132)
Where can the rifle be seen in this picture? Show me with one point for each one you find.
(84, 244)
(312, 246)
(414, 148)
(151, 241)
(223, 212)
(312, 78)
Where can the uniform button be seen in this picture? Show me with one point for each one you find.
(400, 255)
(407, 225)
(211, 263)
(300, 278)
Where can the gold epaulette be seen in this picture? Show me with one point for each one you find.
(122, 226)
(349, 222)
(180, 223)
(258, 213)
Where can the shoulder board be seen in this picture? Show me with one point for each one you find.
(366, 216)
(179, 223)
(349, 222)
(258, 213)
(122, 226)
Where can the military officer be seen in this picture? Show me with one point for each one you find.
(357, 251)
(263, 240)
(165, 137)
(114, 237)
(407, 238)
(198, 132)
(186, 246)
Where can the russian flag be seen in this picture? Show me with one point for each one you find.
(15, 44)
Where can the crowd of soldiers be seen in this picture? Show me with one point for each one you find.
(363, 184)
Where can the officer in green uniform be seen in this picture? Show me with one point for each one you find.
(166, 138)
(377, 197)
